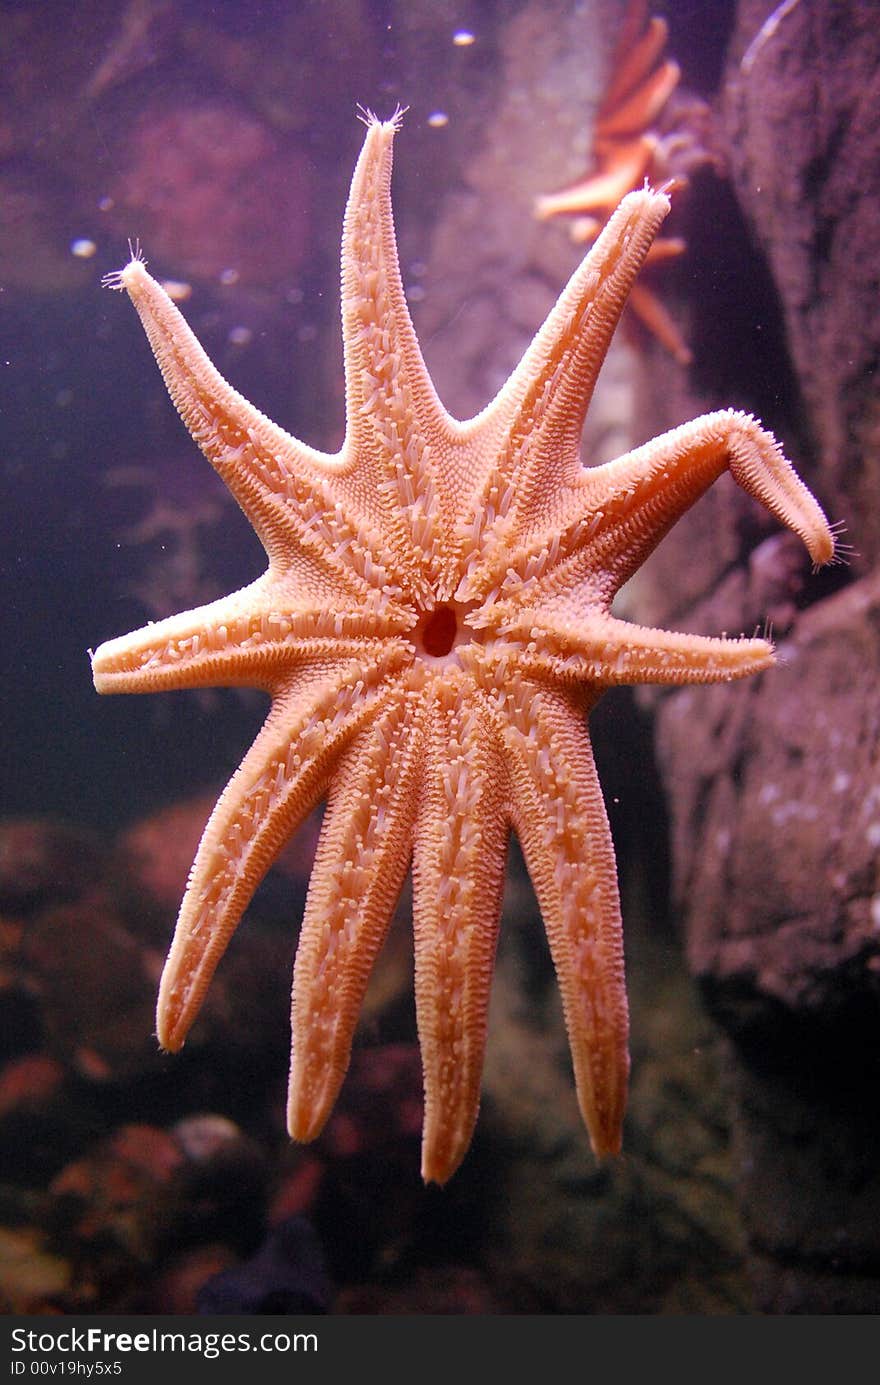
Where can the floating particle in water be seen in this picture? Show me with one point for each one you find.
(240, 336)
(437, 119)
(463, 38)
(177, 289)
(83, 248)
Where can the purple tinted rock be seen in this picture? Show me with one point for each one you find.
(799, 110)
(775, 796)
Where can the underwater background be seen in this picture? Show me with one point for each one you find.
(746, 818)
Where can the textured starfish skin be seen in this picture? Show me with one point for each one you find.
(433, 628)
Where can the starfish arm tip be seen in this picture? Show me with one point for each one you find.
(738, 657)
(305, 1120)
(131, 274)
(821, 547)
(768, 652)
(437, 1170)
(178, 1002)
(169, 1031)
(103, 663)
(647, 198)
(745, 656)
(368, 117)
(606, 1147)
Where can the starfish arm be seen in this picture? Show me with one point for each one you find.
(663, 248)
(397, 427)
(622, 169)
(632, 24)
(613, 516)
(276, 479)
(362, 858)
(534, 423)
(641, 107)
(634, 59)
(458, 879)
(642, 494)
(654, 314)
(276, 786)
(559, 816)
(246, 639)
(603, 651)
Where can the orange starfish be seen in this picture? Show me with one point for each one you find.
(627, 149)
(432, 628)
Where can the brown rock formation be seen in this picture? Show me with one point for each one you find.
(799, 110)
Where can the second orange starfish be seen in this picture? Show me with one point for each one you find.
(628, 148)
